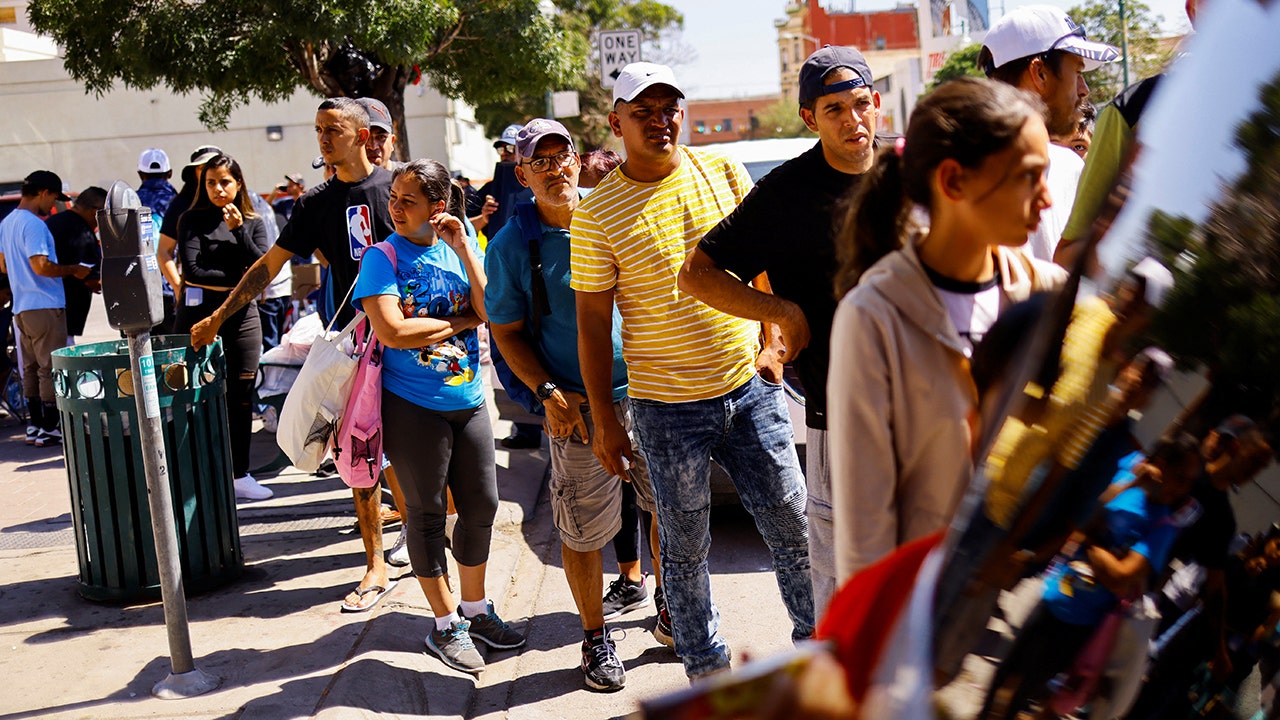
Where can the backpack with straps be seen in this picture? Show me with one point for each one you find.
(531, 233)
(357, 446)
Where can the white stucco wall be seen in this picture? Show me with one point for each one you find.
(51, 123)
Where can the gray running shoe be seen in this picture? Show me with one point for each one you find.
(601, 668)
(624, 596)
(492, 631)
(453, 646)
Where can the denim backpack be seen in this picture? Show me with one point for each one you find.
(531, 233)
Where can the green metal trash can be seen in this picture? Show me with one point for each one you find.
(103, 451)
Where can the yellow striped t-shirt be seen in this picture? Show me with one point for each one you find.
(632, 237)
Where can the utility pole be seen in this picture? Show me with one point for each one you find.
(1124, 45)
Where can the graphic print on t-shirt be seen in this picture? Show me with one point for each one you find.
(359, 229)
(430, 291)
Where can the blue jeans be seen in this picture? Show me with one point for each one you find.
(748, 432)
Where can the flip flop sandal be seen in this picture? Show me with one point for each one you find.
(376, 590)
(390, 516)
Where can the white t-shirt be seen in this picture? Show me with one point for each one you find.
(1063, 177)
(972, 307)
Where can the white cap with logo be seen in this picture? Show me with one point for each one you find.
(1035, 29)
(639, 76)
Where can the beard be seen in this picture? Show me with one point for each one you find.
(1069, 122)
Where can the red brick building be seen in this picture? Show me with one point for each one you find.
(884, 36)
(868, 31)
(715, 121)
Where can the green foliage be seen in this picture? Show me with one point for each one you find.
(961, 63)
(1224, 312)
(782, 120)
(576, 22)
(1101, 19)
(232, 50)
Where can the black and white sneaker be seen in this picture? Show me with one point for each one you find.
(662, 628)
(624, 596)
(601, 668)
(33, 432)
(46, 438)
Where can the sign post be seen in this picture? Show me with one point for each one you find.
(618, 48)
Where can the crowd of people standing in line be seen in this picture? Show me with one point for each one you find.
(651, 319)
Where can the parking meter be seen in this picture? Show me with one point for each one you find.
(131, 279)
(131, 291)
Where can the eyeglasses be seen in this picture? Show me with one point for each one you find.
(544, 164)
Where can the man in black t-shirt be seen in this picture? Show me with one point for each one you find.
(786, 228)
(340, 218)
(75, 243)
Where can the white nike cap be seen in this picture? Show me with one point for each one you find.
(639, 76)
(1035, 29)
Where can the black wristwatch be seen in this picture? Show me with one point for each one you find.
(544, 390)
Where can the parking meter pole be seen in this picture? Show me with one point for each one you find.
(134, 304)
(184, 680)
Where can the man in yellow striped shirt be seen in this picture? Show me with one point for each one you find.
(695, 392)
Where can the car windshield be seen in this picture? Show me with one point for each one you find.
(760, 168)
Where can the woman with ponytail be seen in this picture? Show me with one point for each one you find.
(930, 254)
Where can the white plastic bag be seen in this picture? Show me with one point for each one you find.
(313, 408)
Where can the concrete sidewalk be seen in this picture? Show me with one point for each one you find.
(276, 638)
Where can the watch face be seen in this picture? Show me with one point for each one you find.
(545, 390)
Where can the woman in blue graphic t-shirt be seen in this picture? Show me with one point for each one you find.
(436, 427)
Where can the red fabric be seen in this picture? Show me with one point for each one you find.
(862, 613)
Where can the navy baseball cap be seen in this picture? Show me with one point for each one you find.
(822, 62)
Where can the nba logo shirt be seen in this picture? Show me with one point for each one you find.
(359, 229)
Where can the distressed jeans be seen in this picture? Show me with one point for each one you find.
(748, 432)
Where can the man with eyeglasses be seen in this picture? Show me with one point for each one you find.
(692, 370)
(1039, 49)
(539, 340)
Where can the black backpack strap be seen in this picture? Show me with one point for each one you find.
(531, 231)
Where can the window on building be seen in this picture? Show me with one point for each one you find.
(728, 124)
(880, 42)
(699, 126)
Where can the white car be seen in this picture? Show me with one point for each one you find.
(761, 156)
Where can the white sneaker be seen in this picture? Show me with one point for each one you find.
(248, 489)
(450, 522)
(398, 555)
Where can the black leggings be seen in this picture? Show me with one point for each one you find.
(432, 450)
(242, 345)
(634, 533)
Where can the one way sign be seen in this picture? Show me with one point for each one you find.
(618, 48)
